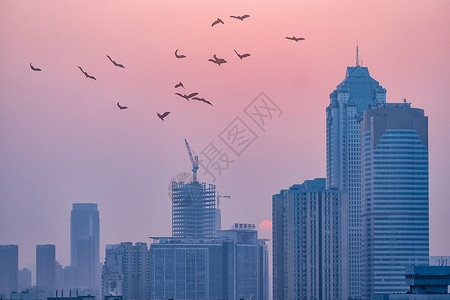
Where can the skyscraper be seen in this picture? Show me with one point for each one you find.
(395, 196)
(84, 243)
(309, 239)
(356, 93)
(45, 268)
(9, 268)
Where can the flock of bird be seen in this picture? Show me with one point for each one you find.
(191, 96)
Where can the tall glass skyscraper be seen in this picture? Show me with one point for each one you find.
(84, 243)
(356, 93)
(394, 196)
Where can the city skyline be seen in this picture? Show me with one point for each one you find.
(65, 141)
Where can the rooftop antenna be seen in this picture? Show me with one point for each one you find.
(357, 56)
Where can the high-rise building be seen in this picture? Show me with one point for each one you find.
(46, 268)
(233, 265)
(24, 279)
(394, 196)
(356, 93)
(9, 268)
(309, 242)
(84, 243)
(125, 272)
(193, 210)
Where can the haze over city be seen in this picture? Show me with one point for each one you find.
(64, 140)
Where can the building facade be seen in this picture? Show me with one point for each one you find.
(309, 242)
(85, 243)
(9, 268)
(356, 93)
(394, 196)
(125, 272)
(232, 266)
(46, 268)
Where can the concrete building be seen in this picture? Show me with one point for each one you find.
(234, 266)
(84, 243)
(309, 242)
(193, 210)
(9, 268)
(24, 279)
(425, 283)
(125, 272)
(395, 222)
(46, 268)
(356, 93)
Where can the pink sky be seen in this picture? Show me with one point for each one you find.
(63, 139)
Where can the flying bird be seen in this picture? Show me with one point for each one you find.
(86, 74)
(202, 100)
(163, 115)
(34, 69)
(241, 56)
(179, 55)
(121, 107)
(217, 22)
(217, 60)
(179, 84)
(240, 17)
(295, 38)
(187, 97)
(116, 64)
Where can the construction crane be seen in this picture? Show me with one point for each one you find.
(218, 196)
(194, 162)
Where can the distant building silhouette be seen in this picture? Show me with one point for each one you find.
(395, 190)
(46, 268)
(24, 279)
(356, 93)
(84, 243)
(9, 268)
(309, 242)
(125, 272)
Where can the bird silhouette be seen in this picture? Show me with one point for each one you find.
(179, 84)
(217, 22)
(295, 38)
(241, 56)
(34, 69)
(187, 97)
(202, 100)
(217, 60)
(121, 107)
(116, 64)
(86, 74)
(179, 55)
(163, 115)
(240, 17)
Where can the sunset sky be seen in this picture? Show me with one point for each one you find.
(64, 140)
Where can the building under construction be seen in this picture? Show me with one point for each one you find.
(193, 210)
(193, 206)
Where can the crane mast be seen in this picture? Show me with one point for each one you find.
(194, 162)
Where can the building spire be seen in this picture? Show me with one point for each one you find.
(357, 57)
